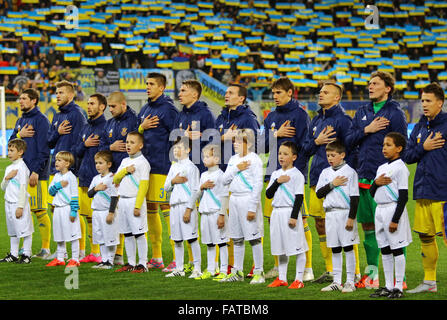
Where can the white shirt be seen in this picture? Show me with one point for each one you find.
(398, 172)
(285, 195)
(184, 192)
(101, 200)
(249, 181)
(211, 200)
(15, 188)
(339, 197)
(130, 183)
(64, 195)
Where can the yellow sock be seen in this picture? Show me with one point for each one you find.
(217, 256)
(357, 260)
(190, 256)
(430, 254)
(326, 252)
(94, 248)
(82, 240)
(308, 236)
(44, 227)
(230, 253)
(166, 216)
(155, 232)
(120, 246)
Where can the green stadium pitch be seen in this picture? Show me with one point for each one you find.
(37, 282)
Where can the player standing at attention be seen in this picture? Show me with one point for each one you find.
(371, 123)
(105, 198)
(182, 183)
(132, 177)
(85, 149)
(286, 187)
(66, 227)
(17, 209)
(156, 121)
(330, 123)
(427, 148)
(244, 175)
(33, 127)
(338, 185)
(64, 133)
(124, 120)
(393, 233)
(288, 122)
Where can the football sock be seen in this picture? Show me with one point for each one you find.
(179, 255)
(75, 250)
(300, 264)
(430, 253)
(120, 246)
(239, 252)
(308, 235)
(230, 246)
(166, 216)
(399, 266)
(131, 250)
(60, 251)
(283, 262)
(371, 248)
(216, 254)
(196, 255)
(190, 255)
(27, 242)
(337, 260)
(110, 253)
(142, 249)
(388, 270)
(155, 232)
(83, 232)
(350, 266)
(15, 246)
(223, 252)
(357, 260)
(404, 249)
(326, 252)
(211, 260)
(258, 256)
(44, 222)
(104, 252)
(94, 248)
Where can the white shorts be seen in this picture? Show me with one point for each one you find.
(209, 232)
(398, 239)
(63, 229)
(22, 227)
(127, 222)
(102, 232)
(179, 229)
(285, 240)
(336, 233)
(239, 226)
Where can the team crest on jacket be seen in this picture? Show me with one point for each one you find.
(123, 131)
(314, 130)
(220, 128)
(418, 137)
(83, 137)
(272, 127)
(110, 133)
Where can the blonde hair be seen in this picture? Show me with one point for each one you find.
(66, 156)
(213, 148)
(117, 96)
(65, 83)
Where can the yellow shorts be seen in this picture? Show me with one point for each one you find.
(429, 217)
(315, 205)
(49, 196)
(156, 191)
(38, 196)
(85, 203)
(268, 208)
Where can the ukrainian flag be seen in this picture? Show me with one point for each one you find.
(92, 46)
(436, 65)
(164, 63)
(64, 47)
(206, 5)
(411, 95)
(32, 37)
(244, 66)
(295, 75)
(131, 48)
(360, 82)
(72, 57)
(117, 46)
(400, 85)
(321, 75)
(104, 60)
(58, 40)
(88, 61)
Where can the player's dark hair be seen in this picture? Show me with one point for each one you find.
(336, 146)
(398, 139)
(292, 146)
(195, 85)
(32, 94)
(101, 98)
(436, 89)
(283, 83)
(104, 154)
(19, 144)
(185, 141)
(159, 77)
(242, 90)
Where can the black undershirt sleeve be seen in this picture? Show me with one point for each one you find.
(373, 189)
(113, 203)
(297, 205)
(270, 192)
(401, 202)
(323, 191)
(91, 193)
(354, 206)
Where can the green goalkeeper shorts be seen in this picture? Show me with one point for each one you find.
(367, 207)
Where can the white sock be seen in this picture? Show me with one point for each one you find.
(110, 254)
(350, 266)
(179, 255)
(15, 242)
(142, 250)
(197, 256)
(75, 250)
(283, 262)
(388, 270)
(399, 266)
(27, 242)
(131, 250)
(239, 252)
(223, 252)
(211, 258)
(104, 252)
(300, 264)
(258, 257)
(60, 251)
(337, 263)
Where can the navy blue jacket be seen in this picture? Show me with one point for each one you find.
(341, 122)
(87, 168)
(244, 118)
(156, 140)
(299, 119)
(117, 128)
(430, 180)
(37, 155)
(370, 155)
(66, 142)
(200, 118)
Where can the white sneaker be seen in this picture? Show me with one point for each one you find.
(273, 273)
(424, 287)
(195, 274)
(332, 287)
(175, 273)
(348, 287)
(308, 274)
(258, 277)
